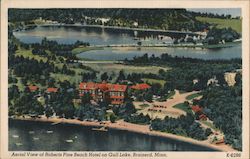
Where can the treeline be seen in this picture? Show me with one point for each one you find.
(223, 105)
(172, 19)
(183, 125)
(55, 48)
(216, 35)
(212, 15)
(30, 67)
(34, 70)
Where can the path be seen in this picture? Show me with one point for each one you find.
(169, 110)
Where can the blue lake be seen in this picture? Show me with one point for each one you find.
(84, 139)
(101, 36)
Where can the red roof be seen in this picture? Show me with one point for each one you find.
(116, 97)
(141, 86)
(117, 87)
(116, 102)
(32, 88)
(203, 117)
(51, 89)
(196, 108)
(88, 85)
(102, 86)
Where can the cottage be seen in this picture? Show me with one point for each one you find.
(33, 88)
(141, 86)
(196, 108)
(52, 90)
(203, 117)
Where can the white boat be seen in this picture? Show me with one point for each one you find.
(15, 136)
(55, 123)
(19, 144)
(31, 132)
(100, 129)
(35, 138)
(69, 141)
(49, 132)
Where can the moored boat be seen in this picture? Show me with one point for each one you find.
(100, 129)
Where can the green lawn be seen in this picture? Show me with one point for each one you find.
(63, 77)
(171, 94)
(167, 96)
(235, 24)
(28, 53)
(192, 96)
(83, 49)
(152, 81)
(209, 124)
(183, 107)
(144, 105)
(116, 68)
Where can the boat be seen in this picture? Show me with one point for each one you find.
(15, 136)
(69, 141)
(49, 132)
(104, 129)
(55, 123)
(31, 132)
(35, 138)
(19, 144)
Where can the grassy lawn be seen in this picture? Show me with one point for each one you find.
(183, 107)
(61, 77)
(116, 68)
(28, 54)
(192, 96)
(171, 94)
(235, 24)
(152, 81)
(83, 49)
(209, 124)
(168, 96)
(144, 105)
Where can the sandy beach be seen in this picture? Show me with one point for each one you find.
(122, 125)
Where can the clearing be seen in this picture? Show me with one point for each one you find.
(235, 24)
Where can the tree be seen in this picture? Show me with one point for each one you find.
(113, 118)
(48, 112)
(208, 132)
(121, 76)
(86, 98)
(104, 76)
(148, 96)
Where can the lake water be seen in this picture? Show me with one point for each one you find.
(100, 36)
(129, 53)
(33, 136)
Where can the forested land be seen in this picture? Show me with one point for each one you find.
(220, 102)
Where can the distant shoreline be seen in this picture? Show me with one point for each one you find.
(136, 128)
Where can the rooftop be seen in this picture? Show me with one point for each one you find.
(102, 86)
(52, 90)
(141, 86)
(32, 88)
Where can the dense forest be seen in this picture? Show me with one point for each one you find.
(184, 125)
(172, 19)
(223, 105)
(184, 70)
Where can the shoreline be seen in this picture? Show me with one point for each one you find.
(135, 128)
